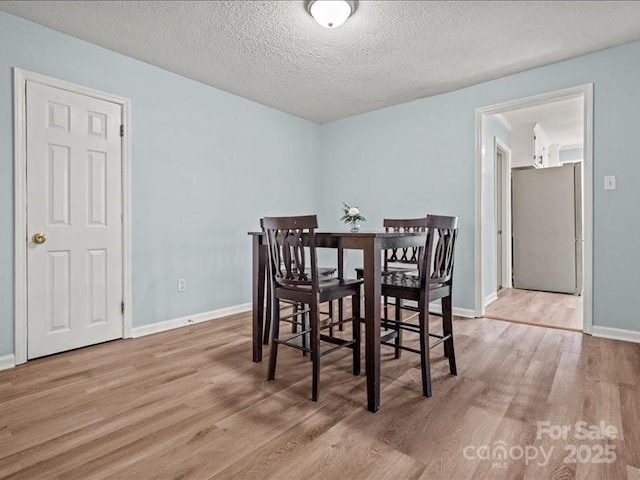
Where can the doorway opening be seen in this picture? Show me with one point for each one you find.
(502, 203)
(535, 204)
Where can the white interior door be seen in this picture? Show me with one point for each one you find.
(74, 200)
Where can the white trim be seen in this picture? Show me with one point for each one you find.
(587, 192)
(458, 312)
(7, 361)
(571, 147)
(20, 77)
(569, 162)
(586, 92)
(505, 210)
(19, 218)
(479, 300)
(616, 334)
(505, 123)
(436, 307)
(489, 299)
(189, 320)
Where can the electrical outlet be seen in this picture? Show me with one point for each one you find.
(182, 284)
(610, 182)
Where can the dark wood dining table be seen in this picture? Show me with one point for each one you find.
(371, 244)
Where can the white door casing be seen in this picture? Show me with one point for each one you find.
(98, 124)
(503, 212)
(586, 92)
(498, 216)
(74, 198)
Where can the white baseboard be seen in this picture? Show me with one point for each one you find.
(616, 334)
(188, 320)
(458, 312)
(492, 297)
(7, 361)
(436, 307)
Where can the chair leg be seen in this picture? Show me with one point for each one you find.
(447, 323)
(331, 318)
(294, 325)
(315, 350)
(424, 349)
(267, 315)
(340, 313)
(355, 326)
(385, 301)
(445, 345)
(304, 335)
(398, 317)
(273, 357)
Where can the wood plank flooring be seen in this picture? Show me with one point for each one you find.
(190, 404)
(554, 310)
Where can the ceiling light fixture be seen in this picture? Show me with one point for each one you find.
(331, 13)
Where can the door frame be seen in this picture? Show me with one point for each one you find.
(20, 78)
(504, 210)
(586, 92)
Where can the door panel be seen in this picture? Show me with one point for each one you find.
(74, 198)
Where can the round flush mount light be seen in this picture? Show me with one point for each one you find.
(331, 13)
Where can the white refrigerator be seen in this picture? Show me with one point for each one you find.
(547, 228)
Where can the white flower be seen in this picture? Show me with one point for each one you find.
(353, 211)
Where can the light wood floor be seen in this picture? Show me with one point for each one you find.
(555, 310)
(190, 404)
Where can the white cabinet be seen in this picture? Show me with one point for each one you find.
(529, 146)
(554, 155)
(540, 148)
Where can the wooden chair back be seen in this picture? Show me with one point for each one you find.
(439, 251)
(411, 255)
(287, 250)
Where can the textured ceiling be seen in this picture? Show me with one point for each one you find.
(389, 52)
(561, 121)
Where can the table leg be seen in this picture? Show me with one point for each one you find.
(340, 275)
(372, 292)
(259, 267)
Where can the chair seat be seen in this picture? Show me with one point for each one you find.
(407, 286)
(402, 279)
(414, 268)
(325, 284)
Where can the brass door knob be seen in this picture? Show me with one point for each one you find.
(39, 238)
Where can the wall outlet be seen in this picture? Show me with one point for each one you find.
(182, 284)
(610, 182)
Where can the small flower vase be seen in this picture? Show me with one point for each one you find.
(354, 227)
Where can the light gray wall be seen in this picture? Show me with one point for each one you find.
(204, 162)
(420, 157)
(492, 128)
(406, 161)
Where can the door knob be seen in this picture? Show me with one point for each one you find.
(39, 238)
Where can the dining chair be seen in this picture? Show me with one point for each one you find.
(293, 279)
(322, 272)
(399, 260)
(433, 281)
